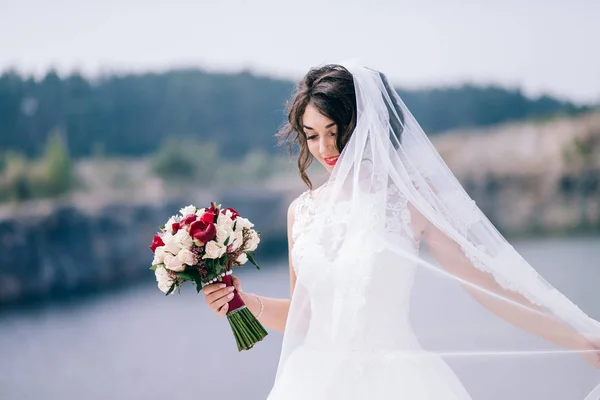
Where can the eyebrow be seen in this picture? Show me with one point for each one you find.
(326, 127)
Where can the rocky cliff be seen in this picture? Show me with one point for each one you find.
(62, 247)
(535, 177)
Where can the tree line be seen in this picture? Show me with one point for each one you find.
(133, 114)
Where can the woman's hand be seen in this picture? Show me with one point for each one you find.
(590, 350)
(217, 295)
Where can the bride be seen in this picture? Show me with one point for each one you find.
(400, 288)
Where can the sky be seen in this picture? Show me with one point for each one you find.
(540, 46)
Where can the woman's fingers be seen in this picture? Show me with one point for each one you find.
(220, 302)
(223, 311)
(219, 294)
(208, 289)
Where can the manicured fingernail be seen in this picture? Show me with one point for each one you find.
(230, 295)
(231, 288)
(222, 285)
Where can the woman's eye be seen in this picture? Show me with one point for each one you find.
(311, 137)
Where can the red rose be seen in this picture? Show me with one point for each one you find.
(188, 220)
(208, 216)
(234, 214)
(156, 242)
(175, 226)
(203, 231)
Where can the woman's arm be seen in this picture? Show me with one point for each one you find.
(449, 254)
(275, 311)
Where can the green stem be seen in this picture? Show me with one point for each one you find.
(247, 330)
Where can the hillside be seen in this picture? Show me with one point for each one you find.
(531, 176)
(132, 115)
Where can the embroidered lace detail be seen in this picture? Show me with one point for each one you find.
(302, 214)
(462, 211)
(396, 221)
(526, 280)
(398, 218)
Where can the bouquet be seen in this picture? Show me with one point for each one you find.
(202, 245)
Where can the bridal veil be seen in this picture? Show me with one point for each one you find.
(397, 262)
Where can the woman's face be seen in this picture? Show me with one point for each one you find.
(320, 134)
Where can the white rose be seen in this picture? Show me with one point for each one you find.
(235, 240)
(242, 258)
(252, 244)
(170, 222)
(183, 239)
(164, 281)
(166, 236)
(225, 222)
(171, 246)
(187, 257)
(187, 210)
(241, 223)
(159, 255)
(173, 263)
(200, 212)
(214, 250)
(222, 234)
(229, 213)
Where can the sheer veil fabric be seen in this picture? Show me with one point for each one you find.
(406, 290)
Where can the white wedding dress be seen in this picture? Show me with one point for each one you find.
(354, 330)
(375, 361)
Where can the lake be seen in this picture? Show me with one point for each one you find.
(137, 344)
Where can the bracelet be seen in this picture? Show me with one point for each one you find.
(262, 307)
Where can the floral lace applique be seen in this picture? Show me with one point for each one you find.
(398, 218)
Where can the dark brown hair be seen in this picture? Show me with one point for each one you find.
(330, 89)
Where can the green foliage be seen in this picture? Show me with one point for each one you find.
(186, 160)
(133, 115)
(470, 106)
(582, 151)
(583, 147)
(57, 176)
(16, 182)
(258, 164)
(252, 260)
(170, 290)
(22, 179)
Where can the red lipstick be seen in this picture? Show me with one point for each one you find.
(331, 160)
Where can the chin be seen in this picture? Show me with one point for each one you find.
(328, 168)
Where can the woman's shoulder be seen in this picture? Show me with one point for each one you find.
(296, 203)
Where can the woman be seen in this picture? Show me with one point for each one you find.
(355, 325)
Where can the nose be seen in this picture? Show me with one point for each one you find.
(326, 145)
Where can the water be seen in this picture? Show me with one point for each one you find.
(137, 344)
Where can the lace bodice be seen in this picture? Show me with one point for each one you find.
(398, 220)
(360, 304)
